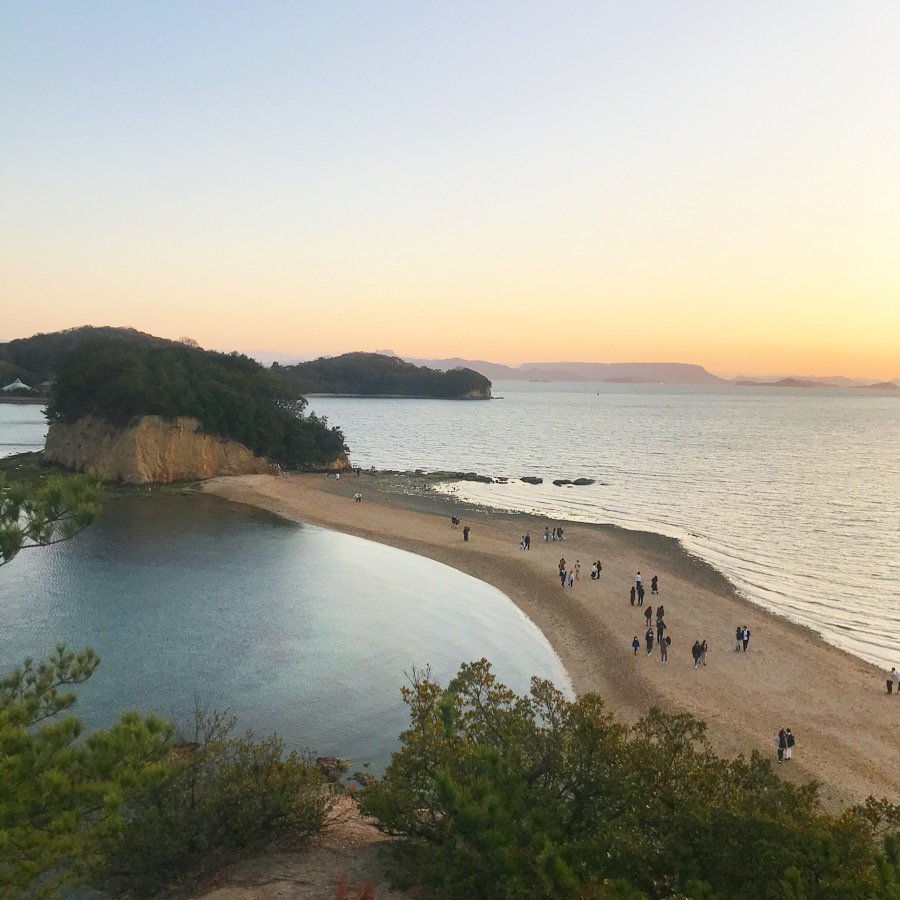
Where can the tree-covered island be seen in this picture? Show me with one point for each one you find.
(119, 375)
(377, 375)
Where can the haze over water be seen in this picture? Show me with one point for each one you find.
(794, 494)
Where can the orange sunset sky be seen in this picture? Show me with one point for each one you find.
(694, 182)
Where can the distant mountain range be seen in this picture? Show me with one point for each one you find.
(634, 373)
(612, 373)
(621, 373)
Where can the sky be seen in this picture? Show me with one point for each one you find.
(704, 182)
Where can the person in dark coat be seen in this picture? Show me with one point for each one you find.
(648, 637)
(696, 650)
(780, 744)
(633, 594)
(654, 584)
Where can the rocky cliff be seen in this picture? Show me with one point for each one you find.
(153, 449)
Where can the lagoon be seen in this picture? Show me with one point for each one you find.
(299, 630)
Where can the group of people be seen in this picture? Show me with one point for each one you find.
(569, 576)
(526, 541)
(454, 523)
(698, 651)
(637, 589)
(661, 638)
(555, 535)
(784, 743)
(741, 638)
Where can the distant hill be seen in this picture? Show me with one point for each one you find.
(376, 374)
(784, 382)
(634, 373)
(885, 386)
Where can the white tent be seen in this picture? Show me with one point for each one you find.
(18, 386)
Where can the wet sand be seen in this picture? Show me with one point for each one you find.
(847, 727)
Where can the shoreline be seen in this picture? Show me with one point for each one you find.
(836, 703)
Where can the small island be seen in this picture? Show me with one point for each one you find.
(145, 409)
(377, 375)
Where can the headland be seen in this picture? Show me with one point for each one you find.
(835, 703)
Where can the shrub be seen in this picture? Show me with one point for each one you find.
(511, 798)
(231, 796)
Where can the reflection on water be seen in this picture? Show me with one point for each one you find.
(299, 630)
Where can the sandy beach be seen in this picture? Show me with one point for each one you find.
(847, 727)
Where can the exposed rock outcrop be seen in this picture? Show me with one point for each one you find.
(153, 449)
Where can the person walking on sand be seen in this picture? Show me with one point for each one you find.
(780, 744)
(660, 629)
(562, 562)
(893, 677)
(660, 612)
(654, 584)
(640, 590)
(648, 637)
(788, 744)
(737, 639)
(559, 534)
(547, 534)
(554, 534)
(633, 594)
(745, 637)
(527, 540)
(466, 531)
(572, 578)
(703, 649)
(578, 570)
(637, 581)
(635, 645)
(648, 615)
(695, 652)
(562, 577)
(663, 649)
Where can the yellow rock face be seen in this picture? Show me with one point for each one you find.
(153, 449)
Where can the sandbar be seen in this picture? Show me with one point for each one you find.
(847, 727)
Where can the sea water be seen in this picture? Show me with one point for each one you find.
(296, 629)
(792, 493)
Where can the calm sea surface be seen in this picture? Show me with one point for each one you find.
(22, 428)
(299, 630)
(792, 493)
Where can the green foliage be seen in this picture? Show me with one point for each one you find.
(44, 513)
(125, 808)
(502, 796)
(62, 798)
(118, 380)
(230, 796)
(37, 358)
(374, 374)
